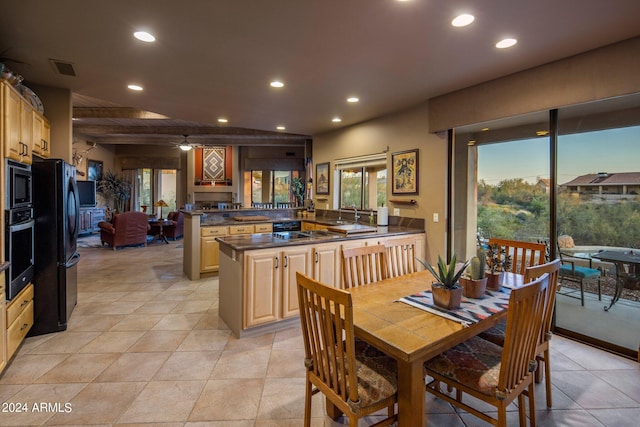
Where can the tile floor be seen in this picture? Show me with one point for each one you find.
(145, 346)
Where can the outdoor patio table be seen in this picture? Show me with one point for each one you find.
(621, 260)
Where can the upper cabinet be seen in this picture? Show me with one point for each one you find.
(24, 130)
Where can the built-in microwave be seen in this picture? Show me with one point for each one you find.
(18, 181)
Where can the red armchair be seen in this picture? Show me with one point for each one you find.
(127, 228)
(176, 230)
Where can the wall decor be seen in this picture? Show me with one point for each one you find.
(213, 164)
(322, 178)
(404, 177)
(94, 170)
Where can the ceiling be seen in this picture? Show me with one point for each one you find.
(215, 59)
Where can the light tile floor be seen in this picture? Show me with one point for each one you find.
(145, 346)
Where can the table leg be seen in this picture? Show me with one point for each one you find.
(619, 285)
(411, 394)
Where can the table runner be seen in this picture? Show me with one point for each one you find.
(471, 310)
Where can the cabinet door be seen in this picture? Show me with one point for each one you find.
(46, 139)
(11, 126)
(26, 131)
(325, 257)
(262, 282)
(307, 226)
(41, 134)
(3, 325)
(293, 260)
(209, 254)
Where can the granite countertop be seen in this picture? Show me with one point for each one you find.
(268, 240)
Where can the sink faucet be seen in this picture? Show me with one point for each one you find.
(355, 213)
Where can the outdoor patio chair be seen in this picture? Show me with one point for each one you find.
(581, 275)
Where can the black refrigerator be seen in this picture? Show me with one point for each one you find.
(55, 209)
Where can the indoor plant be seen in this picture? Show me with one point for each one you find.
(474, 281)
(297, 188)
(114, 189)
(447, 293)
(498, 261)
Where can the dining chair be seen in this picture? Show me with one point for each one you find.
(496, 334)
(493, 374)
(354, 382)
(224, 205)
(363, 265)
(286, 205)
(400, 256)
(523, 254)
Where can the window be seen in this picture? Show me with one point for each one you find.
(269, 186)
(153, 185)
(362, 181)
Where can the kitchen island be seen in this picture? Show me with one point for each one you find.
(257, 275)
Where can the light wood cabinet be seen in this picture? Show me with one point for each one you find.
(241, 229)
(18, 126)
(263, 228)
(41, 135)
(270, 285)
(3, 324)
(210, 248)
(19, 319)
(325, 259)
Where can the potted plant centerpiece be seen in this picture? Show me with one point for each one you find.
(447, 293)
(474, 281)
(498, 261)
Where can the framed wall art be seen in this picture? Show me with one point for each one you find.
(322, 178)
(404, 177)
(94, 170)
(213, 162)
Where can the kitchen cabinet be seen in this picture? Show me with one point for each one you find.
(270, 286)
(3, 324)
(41, 135)
(325, 259)
(19, 319)
(210, 248)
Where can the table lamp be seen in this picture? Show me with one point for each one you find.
(162, 204)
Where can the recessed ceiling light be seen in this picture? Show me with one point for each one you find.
(222, 120)
(505, 43)
(542, 132)
(280, 127)
(137, 88)
(353, 99)
(463, 20)
(336, 120)
(484, 129)
(144, 36)
(276, 83)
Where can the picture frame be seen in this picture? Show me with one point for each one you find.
(94, 170)
(323, 179)
(404, 172)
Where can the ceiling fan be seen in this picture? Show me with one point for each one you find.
(185, 145)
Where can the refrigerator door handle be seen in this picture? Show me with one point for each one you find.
(73, 260)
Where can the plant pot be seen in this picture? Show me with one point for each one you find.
(473, 288)
(494, 281)
(447, 298)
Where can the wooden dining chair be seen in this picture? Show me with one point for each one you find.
(400, 256)
(493, 374)
(352, 380)
(363, 265)
(523, 254)
(496, 334)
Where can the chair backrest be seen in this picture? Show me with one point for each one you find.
(262, 205)
(523, 254)
(524, 322)
(552, 269)
(363, 265)
(326, 316)
(286, 205)
(224, 205)
(401, 256)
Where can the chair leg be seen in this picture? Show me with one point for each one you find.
(532, 405)
(522, 412)
(581, 293)
(538, 371)
(547, 377)
(307, 404)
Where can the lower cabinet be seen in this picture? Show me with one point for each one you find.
(210, 248)
(3, 325)
(19, 319)
(270, 286)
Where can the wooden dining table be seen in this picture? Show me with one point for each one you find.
(409, 334)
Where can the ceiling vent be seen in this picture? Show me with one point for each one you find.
(62, 67)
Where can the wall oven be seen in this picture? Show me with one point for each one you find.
(19, 194)
(19, 249)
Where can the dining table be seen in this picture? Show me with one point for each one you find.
(410, 335)
(627, 268)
